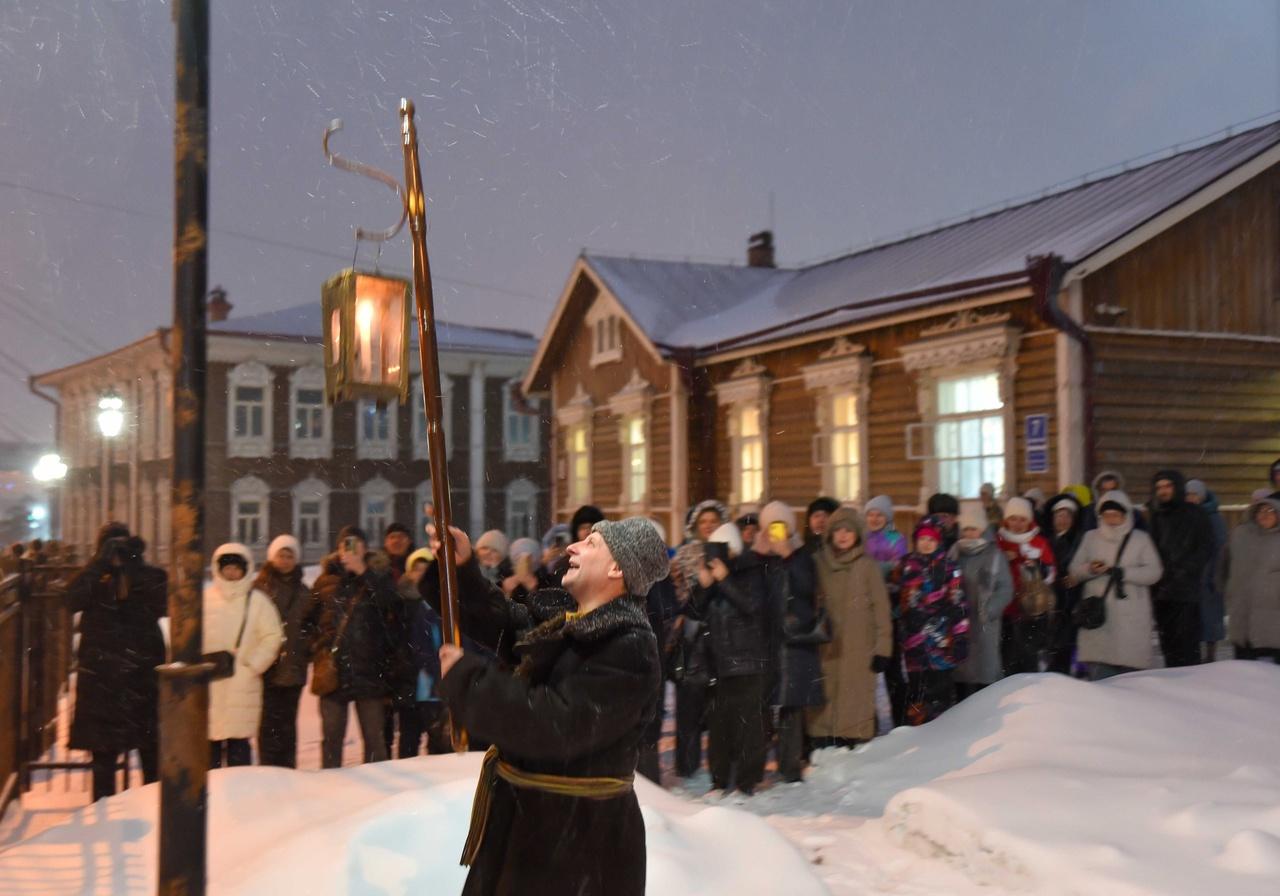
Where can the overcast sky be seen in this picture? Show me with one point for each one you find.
(654, 128)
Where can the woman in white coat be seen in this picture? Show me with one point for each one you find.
(241, 621)
(1123, 642)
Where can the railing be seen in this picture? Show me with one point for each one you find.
(35, 664)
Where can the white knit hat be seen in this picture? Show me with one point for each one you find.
(1019, 507)
(972, 516)
(729, 534)
(283, 541)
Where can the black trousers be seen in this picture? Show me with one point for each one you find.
(1245, 652)
(791, 743)
(1179, 626)
(1021, 641)
(105, 763)
(370, 712)
(278, 731)
(929, 695)
(966, 689)
(691, 718)
(428, 718)
(230, 752)
(737, 732)
(895, 683)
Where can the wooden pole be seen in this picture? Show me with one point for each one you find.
(429, 360)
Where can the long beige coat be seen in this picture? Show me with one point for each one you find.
(858, 605)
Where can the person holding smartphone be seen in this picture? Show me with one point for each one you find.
(735, 592)
(1118, 562)
(358, 604)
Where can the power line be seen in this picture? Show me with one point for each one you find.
(81, 346)
(250, 237)
(22, 300)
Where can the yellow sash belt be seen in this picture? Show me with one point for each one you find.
(561, 785)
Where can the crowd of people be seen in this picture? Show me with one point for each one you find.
(773, 631)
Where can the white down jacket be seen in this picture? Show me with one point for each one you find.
(244, 621)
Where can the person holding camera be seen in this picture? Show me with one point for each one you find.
(121, 600)
(242, 624)
(1116, 564)
(736, 592)
(356, 642)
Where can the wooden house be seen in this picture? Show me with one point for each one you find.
(1130, 323)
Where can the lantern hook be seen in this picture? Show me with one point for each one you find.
(337, 161)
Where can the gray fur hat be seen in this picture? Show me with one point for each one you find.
(638, 550)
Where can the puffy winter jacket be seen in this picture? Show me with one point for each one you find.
(931, 611)
(368, 652)
(1183, 535)
(242, 620)
(739, 611)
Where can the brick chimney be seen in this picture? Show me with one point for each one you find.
(760, 249)
(218, 307)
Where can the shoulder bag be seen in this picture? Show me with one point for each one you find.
(1091, 612)
(324, 669)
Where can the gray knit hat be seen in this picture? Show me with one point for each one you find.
(637, 549)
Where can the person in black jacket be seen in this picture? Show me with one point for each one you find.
(1184, 537)
(357, 601)
(737, 600)
(555, 809)
(281, 580)
(1065, 533)
(121, 600)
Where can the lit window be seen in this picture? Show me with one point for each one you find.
(969, 438)
(579, 465)
(635, 459)
(750, 450)
(845, 452)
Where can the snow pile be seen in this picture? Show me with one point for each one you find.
(388, 829)
(1161, 782)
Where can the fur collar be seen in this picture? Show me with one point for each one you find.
(619, 615)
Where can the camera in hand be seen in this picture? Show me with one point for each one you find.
(715, 550)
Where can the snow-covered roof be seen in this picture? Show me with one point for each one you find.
(303, 322)
(702, 306)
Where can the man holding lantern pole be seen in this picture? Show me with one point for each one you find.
(565, 707)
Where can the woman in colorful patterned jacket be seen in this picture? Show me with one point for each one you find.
(932, 619)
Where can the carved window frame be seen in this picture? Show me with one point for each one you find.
(841, 371)
(967, 344)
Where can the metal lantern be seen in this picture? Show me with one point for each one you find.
(366, 337)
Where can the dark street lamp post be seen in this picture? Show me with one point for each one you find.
(184, 680)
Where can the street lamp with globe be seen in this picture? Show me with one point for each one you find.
(110, 423)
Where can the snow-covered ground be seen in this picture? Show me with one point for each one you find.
(1162, 782)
